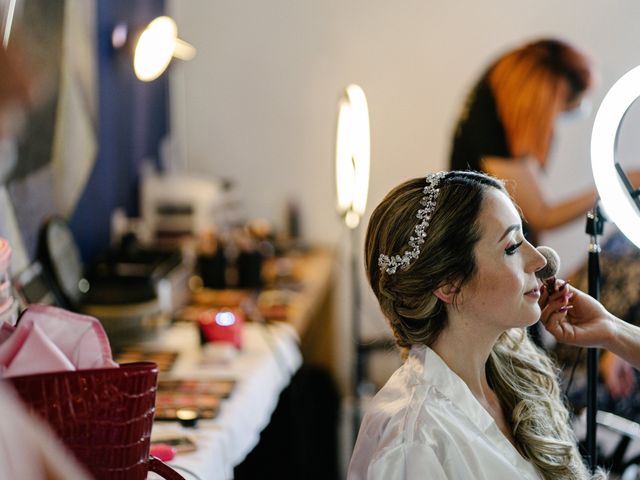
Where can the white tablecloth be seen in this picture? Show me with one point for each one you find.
(264, 367)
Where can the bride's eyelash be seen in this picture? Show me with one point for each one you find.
(513, 248)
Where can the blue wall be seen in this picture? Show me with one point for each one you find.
(133, 118)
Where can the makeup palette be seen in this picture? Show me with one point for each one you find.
(202, 396)
(218, 387)
(163, 358)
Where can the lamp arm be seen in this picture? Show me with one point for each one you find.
(183, 50)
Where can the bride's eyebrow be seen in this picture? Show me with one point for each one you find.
(510, 228)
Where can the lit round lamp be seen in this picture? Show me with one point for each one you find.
(616, 200)
(155, 48)
(352, 184)
(352, 155)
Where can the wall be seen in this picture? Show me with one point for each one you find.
(258, 103)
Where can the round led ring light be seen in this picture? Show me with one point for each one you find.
(614, 196)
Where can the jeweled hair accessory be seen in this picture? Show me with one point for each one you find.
(390, 264)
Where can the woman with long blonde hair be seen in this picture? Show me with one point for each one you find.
(475, 398)
(506, 129)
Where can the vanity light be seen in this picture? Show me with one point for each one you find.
(618, 204)
(155, 48)
(352, 155)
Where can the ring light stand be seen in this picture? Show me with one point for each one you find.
(352, 184)
(594, 229)
(620, 203)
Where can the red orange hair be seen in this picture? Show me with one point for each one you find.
(531, 85)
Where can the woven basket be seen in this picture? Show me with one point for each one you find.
(104, 416)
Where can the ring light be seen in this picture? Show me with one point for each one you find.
(352, 155)
(614, 195)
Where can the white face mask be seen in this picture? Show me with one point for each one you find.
(582, 110)
(8, 157)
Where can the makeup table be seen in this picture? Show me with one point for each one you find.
(270, 356)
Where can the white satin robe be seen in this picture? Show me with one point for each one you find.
(426, 424)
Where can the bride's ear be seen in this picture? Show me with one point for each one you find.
(447, 293)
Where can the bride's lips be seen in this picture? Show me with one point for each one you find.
(533, 293)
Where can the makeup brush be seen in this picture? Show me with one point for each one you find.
(548, 273)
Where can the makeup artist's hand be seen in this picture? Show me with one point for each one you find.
(576, 318)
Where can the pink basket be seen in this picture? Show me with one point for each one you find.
(104, 416)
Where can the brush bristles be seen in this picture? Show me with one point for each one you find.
(553, 263)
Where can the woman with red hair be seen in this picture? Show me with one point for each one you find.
(506, 127)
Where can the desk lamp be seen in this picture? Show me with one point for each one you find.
(154, 48)
(352, 184)
(619, 201)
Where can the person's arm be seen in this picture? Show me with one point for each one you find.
(625, 342)
(521, 175)
(576, 318)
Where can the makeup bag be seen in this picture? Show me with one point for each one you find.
(104, 416)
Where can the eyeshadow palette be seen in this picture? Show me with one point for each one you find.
(163, 358)
(202, 396)
(215, 387)
(169, 404)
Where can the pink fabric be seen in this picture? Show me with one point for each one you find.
(6, 330)
(50, 339)
(32, 352)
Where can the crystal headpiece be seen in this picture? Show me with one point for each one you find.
(431, 191)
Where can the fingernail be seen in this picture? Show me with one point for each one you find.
(561, 287)
(565, 308)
